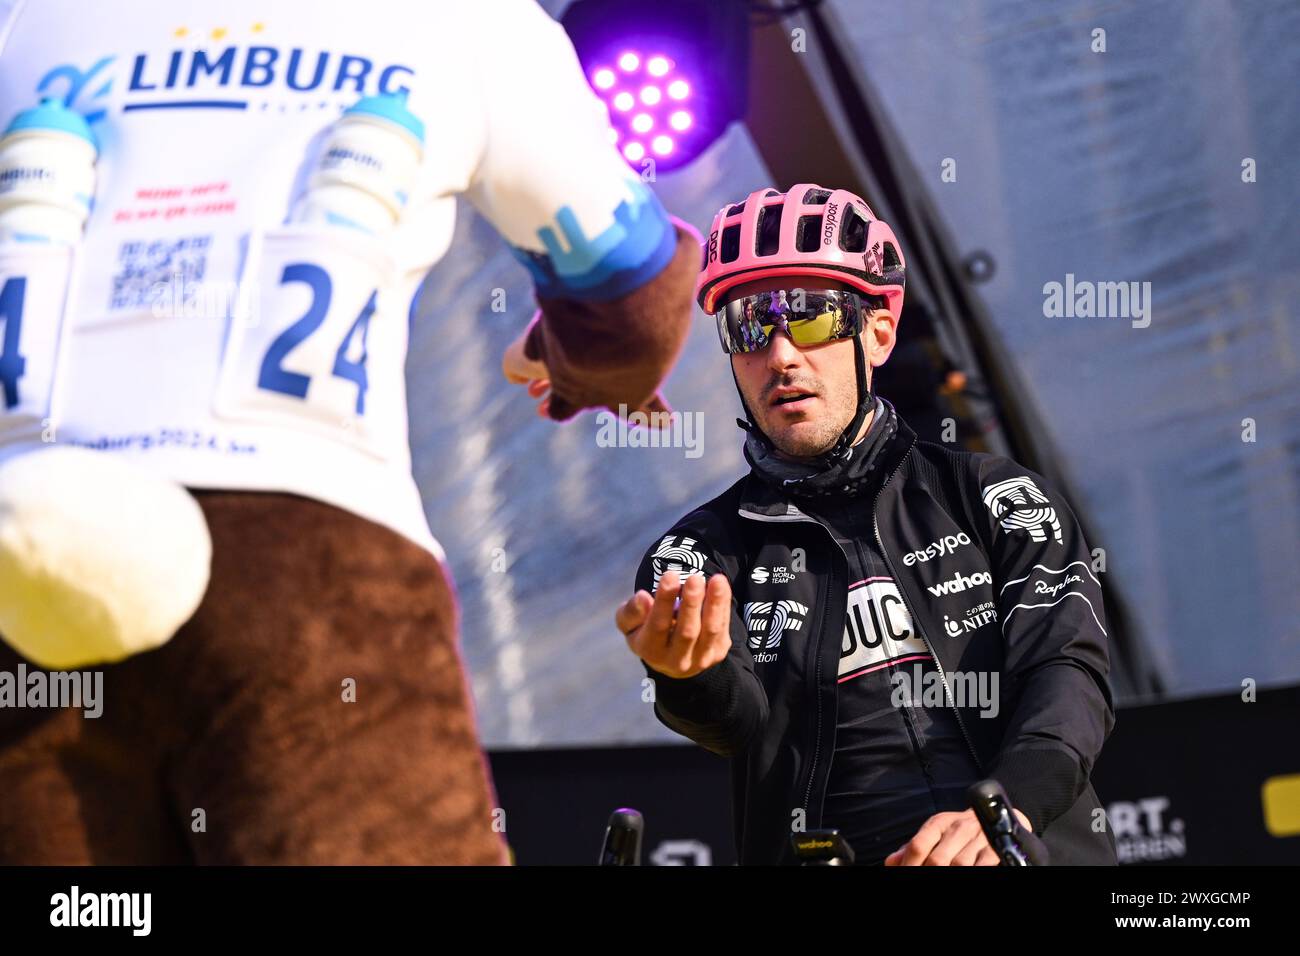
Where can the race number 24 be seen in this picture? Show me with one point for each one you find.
(274, 377)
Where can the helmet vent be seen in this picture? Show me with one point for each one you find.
(892, 260)
(853, 234)
(731, 243)
(816, 197)
(736, 210)
(768, 234)
(808, 237)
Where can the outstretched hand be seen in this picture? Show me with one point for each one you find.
(682, 641)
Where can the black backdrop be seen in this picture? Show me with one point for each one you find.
(1182, 783)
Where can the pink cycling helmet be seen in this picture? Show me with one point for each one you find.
(807, 231)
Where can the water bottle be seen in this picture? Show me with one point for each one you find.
(47, 175)
(367, 168)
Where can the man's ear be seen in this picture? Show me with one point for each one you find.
(880, 334)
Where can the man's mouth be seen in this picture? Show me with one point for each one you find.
(791, 399)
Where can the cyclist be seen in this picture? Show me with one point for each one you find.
(867, 623)
(315, 708)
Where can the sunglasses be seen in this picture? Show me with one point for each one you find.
(809, 317)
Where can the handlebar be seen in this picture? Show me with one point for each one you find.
(622, 846)
(1014, 844)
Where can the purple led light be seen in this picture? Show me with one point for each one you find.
(646, 97)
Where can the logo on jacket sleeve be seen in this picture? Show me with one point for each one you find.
(679, 553)
(768, 621)
(1045, 587)
(1018, 505)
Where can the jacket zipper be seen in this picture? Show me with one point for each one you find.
(815, 647)
(817, 678)
(916, 620)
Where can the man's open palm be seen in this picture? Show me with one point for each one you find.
(682, 642)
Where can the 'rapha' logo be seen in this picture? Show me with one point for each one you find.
(1020, 506)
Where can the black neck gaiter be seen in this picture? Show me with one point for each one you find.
(848, 477)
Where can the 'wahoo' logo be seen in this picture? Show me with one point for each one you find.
(960, 582)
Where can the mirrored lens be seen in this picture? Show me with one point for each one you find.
(811, 318)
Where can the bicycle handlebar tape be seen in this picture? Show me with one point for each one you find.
(1014, 845)
(622, 846)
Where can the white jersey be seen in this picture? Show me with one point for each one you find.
(192, 330)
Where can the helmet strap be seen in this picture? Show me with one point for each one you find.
(866, 401)
(840, 450)
(748, 424)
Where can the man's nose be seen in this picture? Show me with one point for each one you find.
(781, 350)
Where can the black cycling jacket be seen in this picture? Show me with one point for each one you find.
(990, 564)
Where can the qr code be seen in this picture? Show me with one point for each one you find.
(148, 271)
